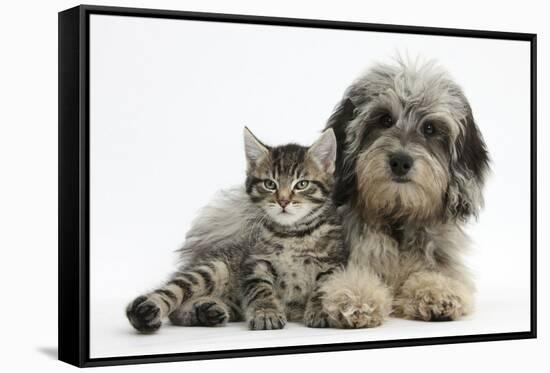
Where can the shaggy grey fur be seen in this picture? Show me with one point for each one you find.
(404, 229)
(411, 168)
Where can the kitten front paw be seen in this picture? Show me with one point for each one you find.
(316, 319)
(211, 313)
(266, 319)
(144, 315)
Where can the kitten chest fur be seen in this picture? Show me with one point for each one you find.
(298, 261)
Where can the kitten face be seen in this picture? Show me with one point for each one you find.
(290, 182)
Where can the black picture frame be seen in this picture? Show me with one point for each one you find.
(74, 196)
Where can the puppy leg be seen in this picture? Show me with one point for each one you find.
(355, 298)
(432, 296)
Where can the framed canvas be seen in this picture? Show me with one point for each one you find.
(372, 157)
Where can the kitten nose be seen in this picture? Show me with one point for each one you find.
(283, 202)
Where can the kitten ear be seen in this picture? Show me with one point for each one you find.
(323, 151)
(254, 149)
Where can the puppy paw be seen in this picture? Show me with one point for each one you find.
(347, 311)
(266, 319)
(144, 315)
(432, 297)
(356, 299)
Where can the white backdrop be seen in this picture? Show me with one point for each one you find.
(28, 192)
(168, 102)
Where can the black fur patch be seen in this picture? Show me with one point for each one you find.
(338, 121)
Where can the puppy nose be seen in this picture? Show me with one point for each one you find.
(283, 202)
(401, 164)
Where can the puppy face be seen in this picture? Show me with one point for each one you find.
(408, 146)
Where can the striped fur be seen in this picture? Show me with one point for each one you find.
(258, 253)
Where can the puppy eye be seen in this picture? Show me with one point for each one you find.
(386, 120)
(428, 129)
(270, 184)
(301, 185)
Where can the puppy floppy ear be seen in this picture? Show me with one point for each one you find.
(254, 149)
(342, 115)
(323, 151)
(338, 121)
(469, 167)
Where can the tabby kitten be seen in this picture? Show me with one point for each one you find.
(263, 261)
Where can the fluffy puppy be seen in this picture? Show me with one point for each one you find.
(411, 167)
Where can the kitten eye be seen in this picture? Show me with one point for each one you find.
(302, 184)
(428, 129)
(386, 120)
(270, 184)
